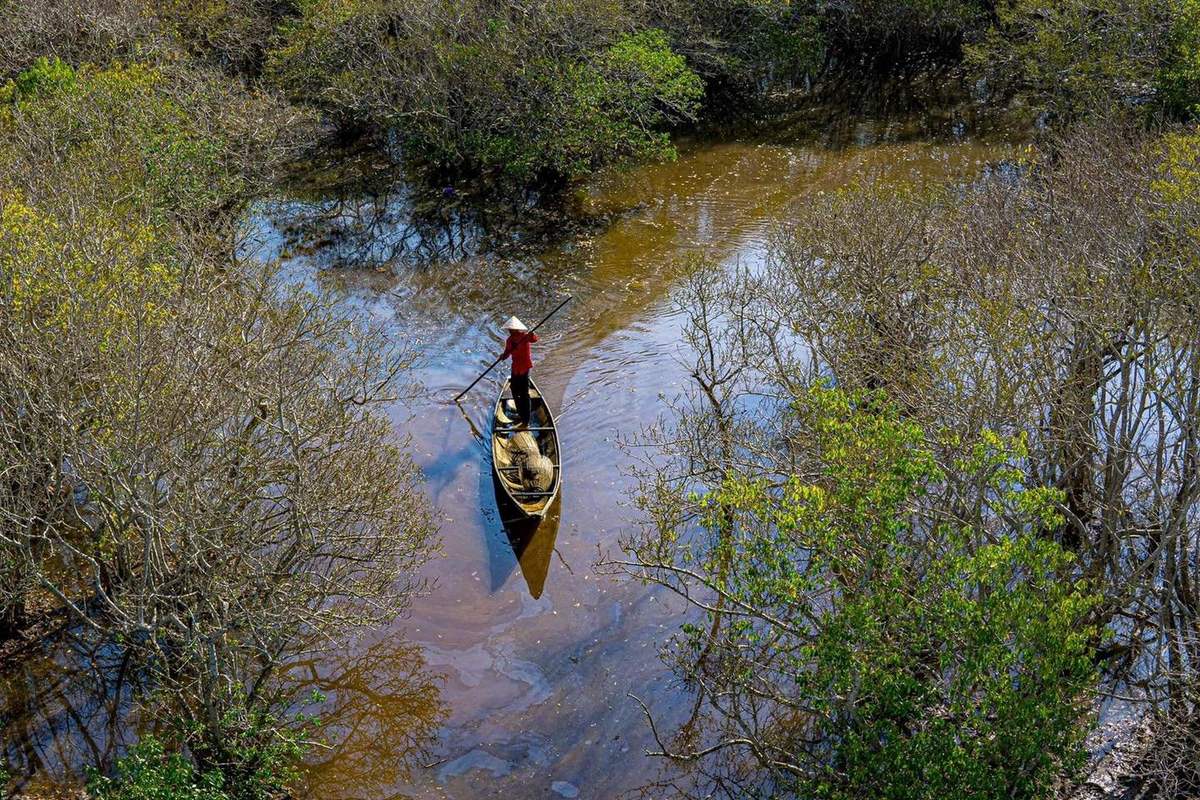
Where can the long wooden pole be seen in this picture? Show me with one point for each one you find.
(501, 358)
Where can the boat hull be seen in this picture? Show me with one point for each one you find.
(507, 460)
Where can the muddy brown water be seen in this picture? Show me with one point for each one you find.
(521, 658)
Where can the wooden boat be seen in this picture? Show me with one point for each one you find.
(506, 461)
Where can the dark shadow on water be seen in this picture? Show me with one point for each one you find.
(531, 538)
(65, 703)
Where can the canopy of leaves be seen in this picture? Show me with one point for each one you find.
(1080, 55)
(560, 92)
(148, 772)
(866, 638)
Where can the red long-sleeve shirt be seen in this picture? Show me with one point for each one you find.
(517, 346)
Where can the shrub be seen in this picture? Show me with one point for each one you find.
(1077, 55)
(47, 76)
(78, 32)
(1179, 82)
(558, 92)
(870, 626)
(173, 417)
(173, 147)
(590, 114)
(743, 47)
(148, 772)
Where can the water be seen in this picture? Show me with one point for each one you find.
(523, 665)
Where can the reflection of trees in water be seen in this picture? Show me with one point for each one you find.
(66, 705)
(69, 706)
(367, 226)
(380, 712)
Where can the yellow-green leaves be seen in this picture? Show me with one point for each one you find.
(1179, 177)
(919, 633)
(47, 76)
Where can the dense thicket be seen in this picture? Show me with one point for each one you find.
(915, 584)
(549, 89)
(195, 475)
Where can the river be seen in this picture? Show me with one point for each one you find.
(520, 668)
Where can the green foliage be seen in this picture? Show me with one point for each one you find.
(605, 111)
(120, 282)
(745, 46)
(1077, 55)
(260, 761)
(233, 34)
(256, 753)
(137, 139)
(329, 56)
(47, 76)
(148, 772)
(151, 145)
(1179, 81)
(561, 92)
(918, 654)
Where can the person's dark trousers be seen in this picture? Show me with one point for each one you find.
(520, 391)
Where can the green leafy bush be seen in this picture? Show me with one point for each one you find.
(743, 47)
(46, 76)
(588, 114)
(173, 146)
(558, 92)
(1180, 80)
(260, 764)
(910, 647)
(256, 753)
(1077, 55)
(148, 772)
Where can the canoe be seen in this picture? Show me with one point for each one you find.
(508, 459)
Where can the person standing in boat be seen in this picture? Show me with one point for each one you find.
(517, 348)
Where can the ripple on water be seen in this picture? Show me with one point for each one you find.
(475, 760)
(564, 789)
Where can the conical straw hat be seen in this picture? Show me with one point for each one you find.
(514, 324)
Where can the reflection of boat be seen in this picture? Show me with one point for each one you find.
(532, 540)
(510, 464)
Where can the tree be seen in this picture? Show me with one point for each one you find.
(196, 471)
(1079, 55)
(554, 91)
(868, 627)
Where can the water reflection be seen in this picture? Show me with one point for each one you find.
(67, 705)
(355, 212)
(532, 538)
(379, 711)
